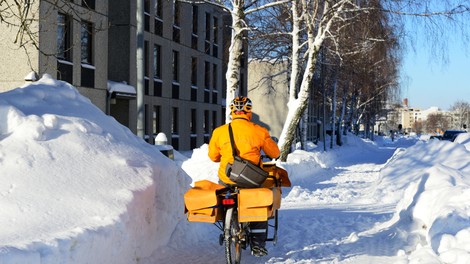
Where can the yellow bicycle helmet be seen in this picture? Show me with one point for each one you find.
(241, 104)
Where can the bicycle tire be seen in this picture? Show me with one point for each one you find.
(233, 249)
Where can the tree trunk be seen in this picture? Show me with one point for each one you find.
(339, 140)
(316, 34)
(333, 110)
(235, 54)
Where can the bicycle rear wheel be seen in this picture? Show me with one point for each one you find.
(232, 230)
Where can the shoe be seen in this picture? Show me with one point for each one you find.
(259, 251)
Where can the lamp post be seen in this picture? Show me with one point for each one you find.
(140, 67)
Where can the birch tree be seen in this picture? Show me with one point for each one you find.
(322, 19)
(319, 19)
(239, 11)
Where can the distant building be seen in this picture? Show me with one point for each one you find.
(413, 118)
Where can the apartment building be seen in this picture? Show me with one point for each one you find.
(72, 40)
(93, 45)
(184, 58)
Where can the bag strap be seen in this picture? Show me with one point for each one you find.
(234, 152)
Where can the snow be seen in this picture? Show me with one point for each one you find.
(78, 187)
(120, 87)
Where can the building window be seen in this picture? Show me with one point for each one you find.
(158, 17)
(147, 15)
(64, 48)
(174, 121)
(195, 19)
(146, 59)
(214, 83)
(90, 4)
(193, 124)
(175, 66)
(175, 88)
(214, 77)
(64, 37)
(177, 13)
(207, 78)
(194, 71)
(176, 21)
(175, 91)
(207, 46)
(215, 46)
(207, 75)
(87, 77)
(157, 88)
(146, 86)
(156, 124)
(86, 43)
(157, 62)
(158, 8)
(194, 79)
(194, 35)
(146, 68)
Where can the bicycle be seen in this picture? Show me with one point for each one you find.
(235, 233)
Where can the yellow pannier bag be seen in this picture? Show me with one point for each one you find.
(201, 202)
(258, 204)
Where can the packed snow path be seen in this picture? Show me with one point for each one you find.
(320, 218)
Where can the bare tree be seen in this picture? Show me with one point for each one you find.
(323, 19)
(418, 127)
(462, 111)
(437, 123)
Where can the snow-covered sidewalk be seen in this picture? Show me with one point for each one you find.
(362, 203)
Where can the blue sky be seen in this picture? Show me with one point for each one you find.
(431, 83)
(428, 82)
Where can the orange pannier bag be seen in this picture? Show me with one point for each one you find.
(258, 204)
(201, 202)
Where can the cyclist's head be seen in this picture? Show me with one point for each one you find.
(241, 106)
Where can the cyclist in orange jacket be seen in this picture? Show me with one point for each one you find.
(250, 140)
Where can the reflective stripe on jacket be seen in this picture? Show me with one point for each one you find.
(250, 139)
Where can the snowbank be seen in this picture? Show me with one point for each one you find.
(76, 185)
(429, 183)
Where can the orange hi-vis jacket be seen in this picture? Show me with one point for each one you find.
(249, 139)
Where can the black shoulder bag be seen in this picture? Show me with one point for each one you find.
(244, 173)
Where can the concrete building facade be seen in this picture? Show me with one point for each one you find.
(269, 90)
(93, 45)
(184, 60)
(71, 40)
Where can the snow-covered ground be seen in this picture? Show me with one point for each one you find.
(77, 187)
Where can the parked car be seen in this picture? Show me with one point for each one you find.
(439, 137)
(451, 134)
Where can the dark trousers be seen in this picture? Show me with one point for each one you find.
(259, 233)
